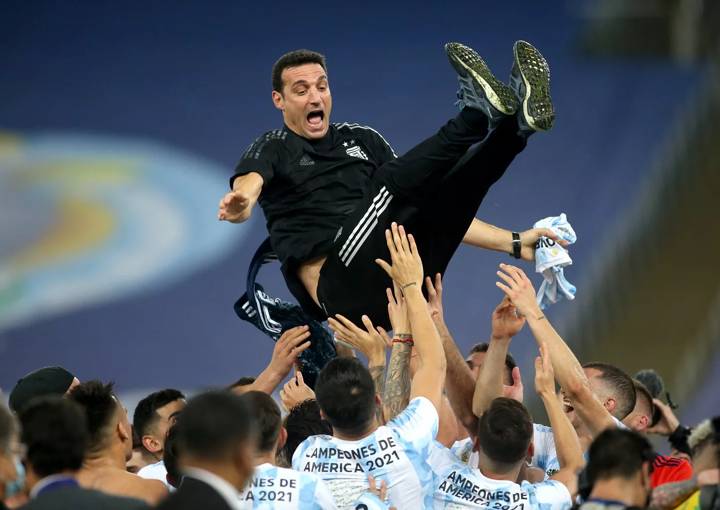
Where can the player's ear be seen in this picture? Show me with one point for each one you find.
(278, 100)
(282, 438)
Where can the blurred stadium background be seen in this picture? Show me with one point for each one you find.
(120, 123)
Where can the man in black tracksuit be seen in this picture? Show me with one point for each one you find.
(329, 191)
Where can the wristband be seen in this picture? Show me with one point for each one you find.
(407, 341)
(516, 245)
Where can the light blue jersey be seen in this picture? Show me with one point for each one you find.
(284, 489)
(459, 486)
(396, 453)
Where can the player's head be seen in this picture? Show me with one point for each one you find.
(153, 416)
(505, 434)
(106, 418)
(346, 394)
(477, 356)
(622, 456)
(43, 381)
(641, 416)
(303, 421)
(242, 385)
(613, 387)
(216, 432)
(302, 93)
(268, 421)
(704, 442)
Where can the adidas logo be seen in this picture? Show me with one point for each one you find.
(306, 160)
(356, 152)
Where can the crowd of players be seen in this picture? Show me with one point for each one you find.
(425, 429)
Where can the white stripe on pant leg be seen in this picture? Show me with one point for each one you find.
(380, 196)
(368, 225)
(369, 231)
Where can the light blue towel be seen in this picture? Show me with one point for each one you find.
(551, 259)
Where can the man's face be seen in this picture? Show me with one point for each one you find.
(597, 389)
(475, 361)
(167, 416)
(305, 100)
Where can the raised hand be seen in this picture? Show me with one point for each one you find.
(519, 289)
(435, 304)
(668, 422)
(397, 311)
(516, 390)
(406, 269)
(369, 341)
(544, 374)
(530, 237)
(287, 349)
(236, 206)
(505, 321)
(296, 392)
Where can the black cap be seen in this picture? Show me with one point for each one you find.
(43, 381)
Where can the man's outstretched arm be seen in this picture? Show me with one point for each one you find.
(236, 206)
(490, 237)
(569, 373)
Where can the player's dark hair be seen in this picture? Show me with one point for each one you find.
(346, 394)
(510, 363)
(617, 453)
(268, 420)
(621, 384)
(146, 415)
(303, 421)
(55, 435)
(213, 425)
(644, 398)
(243, 381)
(294, 58)
(99, 404)
(505, 431)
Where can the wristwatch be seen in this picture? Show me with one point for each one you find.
(516, 246)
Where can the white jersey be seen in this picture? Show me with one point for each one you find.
(459, 486)
(396, 453)
(156, 471)
(279, 488)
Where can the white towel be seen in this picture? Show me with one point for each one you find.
(551, 259)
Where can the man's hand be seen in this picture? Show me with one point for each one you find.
(406, 269)
(397, 311)
(668, 421)
(296, 392)
(544, 374)
(287, 349)
(369, 341)
(236, 206)
(516, 390)
(435, 304)
(519, 289)
(505, 321)
(530, 237)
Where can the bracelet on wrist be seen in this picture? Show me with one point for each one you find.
(403, 287)
(401, 340)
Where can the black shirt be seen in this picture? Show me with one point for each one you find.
(310, 186)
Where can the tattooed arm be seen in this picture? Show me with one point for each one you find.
(397, 385)
(670, 495)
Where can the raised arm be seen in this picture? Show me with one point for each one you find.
(285, 353)
(236, 206)
(569, 373)
(490, 237)
(407, 271)
(397, 382)
(459, 381)
(489, 385)
(567, 443)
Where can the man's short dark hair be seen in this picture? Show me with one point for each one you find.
(644, 398)
(510, 363)
(303, 421)
(243, 381)
(505, 431)
(55, 435)
(146, 416)
(213, 424)
(294, 58)
(346, 394)
(99, 404)
(621, 384)
(268, 419)
(617, 453)
(8, 428)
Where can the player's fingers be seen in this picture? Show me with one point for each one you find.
(368, 324)
(300, 380)
(396, 237)
(385, 266)
(438, 283)
(384, 334)
(507, 290)
(404, 242)
(516, 376)
(507, 278)
(390, 296)
(413, 246)
(350, 325)
(371, 483)
(390, 243)
(429, 286)
(538, 364)
(301, 348)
